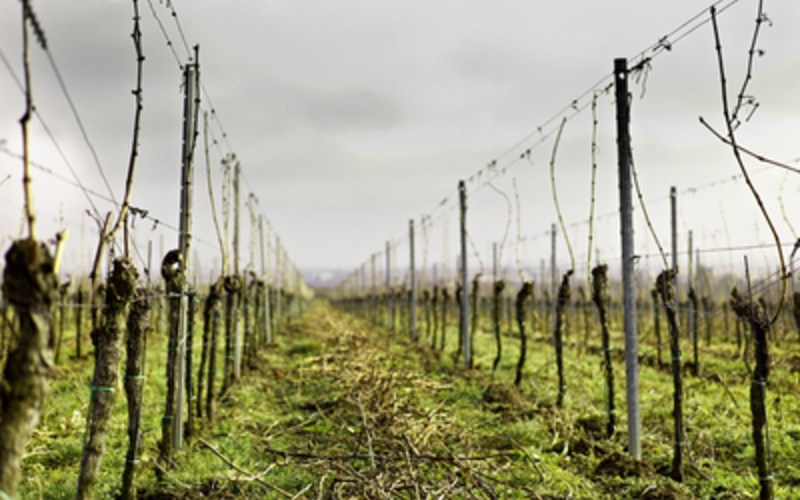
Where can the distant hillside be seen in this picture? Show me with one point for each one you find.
(324, 278)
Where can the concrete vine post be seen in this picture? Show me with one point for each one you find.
(622, 98)
(190, 113)
(464, 333)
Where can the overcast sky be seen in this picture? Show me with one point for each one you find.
(352, 117)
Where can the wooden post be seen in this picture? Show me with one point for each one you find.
(626, 222)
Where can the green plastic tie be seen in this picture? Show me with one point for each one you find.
(134, 462)
(135, 377)
(768, 478)
(96, 388)
(166, 417)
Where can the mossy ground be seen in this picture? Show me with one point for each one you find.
(339, 408)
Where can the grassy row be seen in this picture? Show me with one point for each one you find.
(283, 402)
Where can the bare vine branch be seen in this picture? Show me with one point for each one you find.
(736, 153)
(555, 194)
(211, 196)
(743, 99)
(594, 178)
(521, 272)
(508, 220)
(761, 158)
(137, 43)
(646, 214)
(27, 16)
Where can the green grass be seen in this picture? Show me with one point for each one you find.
(301, 395)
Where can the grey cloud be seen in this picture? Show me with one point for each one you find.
(349, 111)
